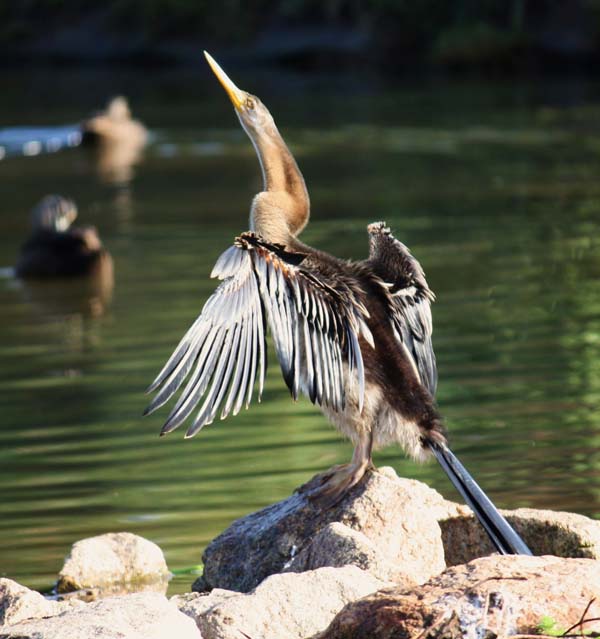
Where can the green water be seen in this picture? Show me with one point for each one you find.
(496, 189)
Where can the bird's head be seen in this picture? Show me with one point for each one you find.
(252, 113)
(281, 210)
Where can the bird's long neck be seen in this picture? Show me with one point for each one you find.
(281, 210)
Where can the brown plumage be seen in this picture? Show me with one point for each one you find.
(355, 337)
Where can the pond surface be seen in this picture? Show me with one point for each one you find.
(496, 189)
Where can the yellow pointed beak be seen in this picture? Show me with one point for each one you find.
(235, 95)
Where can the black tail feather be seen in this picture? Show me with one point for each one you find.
(503, 536)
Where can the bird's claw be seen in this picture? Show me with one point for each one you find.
(332, 485)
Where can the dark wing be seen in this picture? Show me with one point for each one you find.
(409, 298)
(315, 327)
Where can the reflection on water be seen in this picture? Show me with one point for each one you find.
(493, 187)
(114, 161)
(88, 296)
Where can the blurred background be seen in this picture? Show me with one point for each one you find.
(473, 128)
(397, 34)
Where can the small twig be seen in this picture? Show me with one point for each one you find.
(594, 634)
(437, 623)
(498, 578)
(590, 633)
(581, 621)
(579, 634)
(434, 626)
(567, 634)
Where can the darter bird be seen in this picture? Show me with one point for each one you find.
(355, 337)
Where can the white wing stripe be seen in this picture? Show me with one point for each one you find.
(235, 384)
(254, 361)
(307, 350)
(317, 357)
(210, 405)
(247, 342)
(314, 325)
(194, 388)
(233, 361)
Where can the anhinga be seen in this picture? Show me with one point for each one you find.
(355, 337)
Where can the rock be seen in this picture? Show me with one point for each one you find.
(488, 597)
(396, 519)
(195, 604)
(396, 529)
(339, 545)
(546, 532)
(114, 563)
(285, 606)
(137, 616)
(18, 603)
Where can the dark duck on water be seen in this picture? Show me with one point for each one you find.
(55, 248)
(355, 337)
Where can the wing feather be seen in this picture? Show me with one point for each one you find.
(308, 356)
(175, 359)
(409, 300)
(239, 402)
(209, 408)
(315, 322)
(237, 390)
(233, 362)
(253, 360)
(317, 361)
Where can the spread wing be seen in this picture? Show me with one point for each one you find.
(409, 298)
(315, 326)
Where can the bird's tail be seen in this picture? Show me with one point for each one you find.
(503, 536)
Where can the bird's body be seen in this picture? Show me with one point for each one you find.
(114, 125)
(355, 337)
(57, 249)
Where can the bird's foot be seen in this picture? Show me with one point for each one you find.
(333, 484)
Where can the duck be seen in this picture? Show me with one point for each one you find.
(55, 248)
(114, 125)
(117, 141)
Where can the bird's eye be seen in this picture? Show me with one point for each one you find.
(249, 103)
